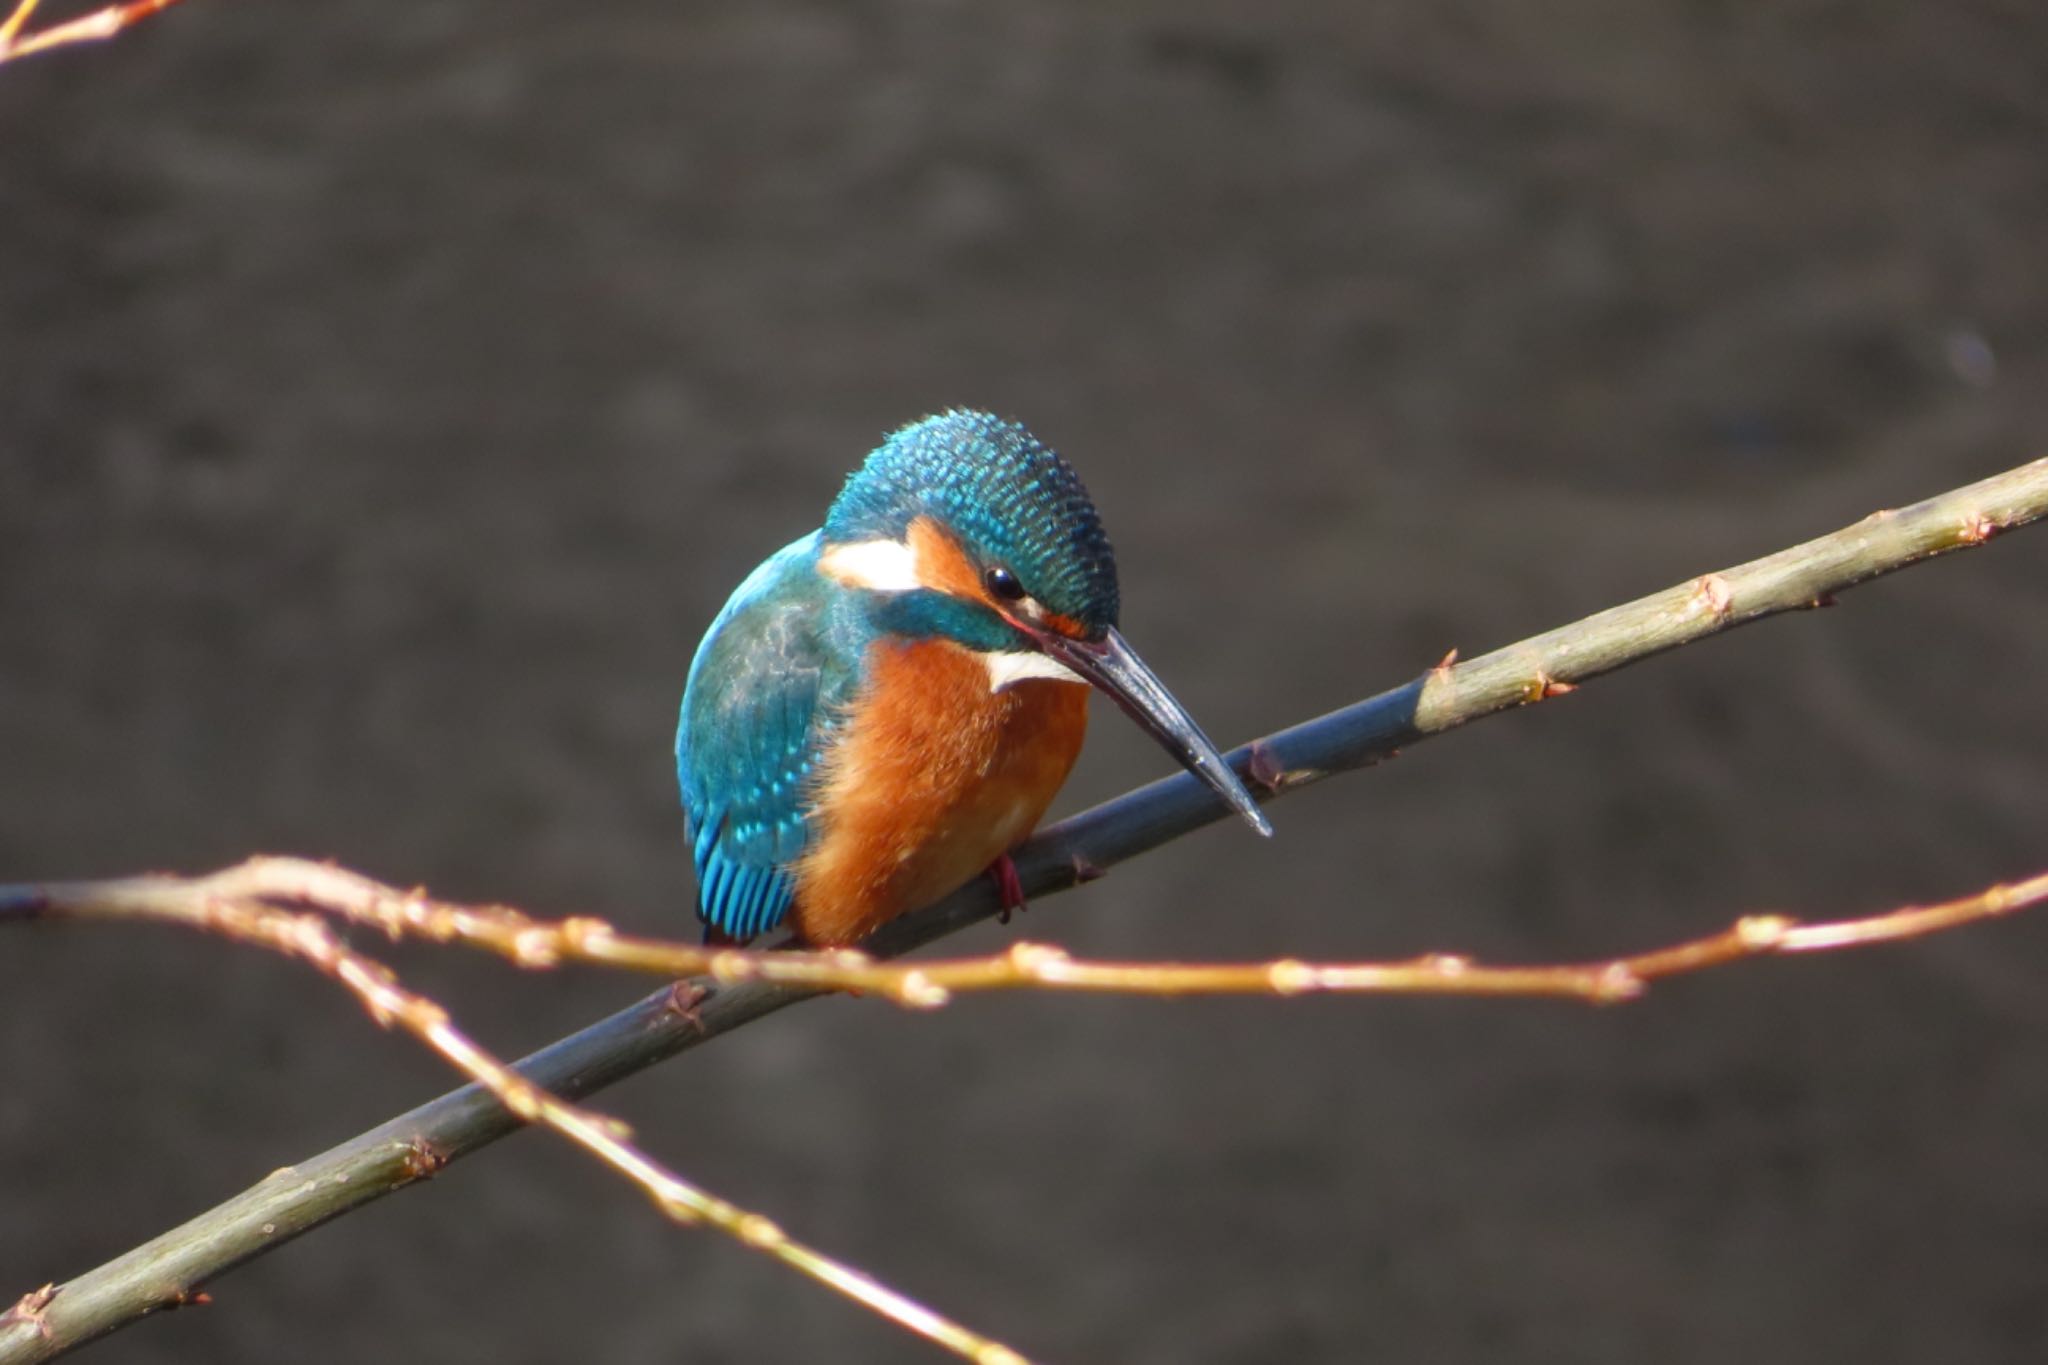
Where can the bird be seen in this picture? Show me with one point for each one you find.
(885, 707)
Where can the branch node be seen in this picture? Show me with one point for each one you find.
(1761, 933)
(536, 948)
(757, 1231)
(29, 1309)
(919, 992)
(1036, 959)
(1713, 590)
(1265, 769)
(730, 966)
(678, 1209)
(586, 933)
(1617, 984)
(1290, 976)
(423, 1159)
(682, 1001)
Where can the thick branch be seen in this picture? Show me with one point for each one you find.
(212, 906)
(167, 1270)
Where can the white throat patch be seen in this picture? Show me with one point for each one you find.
(891, 566)
(1014, 666)
(877, 565)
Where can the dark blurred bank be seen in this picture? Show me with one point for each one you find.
(389, 394)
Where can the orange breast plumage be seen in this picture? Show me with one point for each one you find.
(933, 778)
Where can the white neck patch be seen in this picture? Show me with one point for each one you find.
(891, 566)
(877, 565)
(1014, 666)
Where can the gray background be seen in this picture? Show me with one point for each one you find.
(392, 392)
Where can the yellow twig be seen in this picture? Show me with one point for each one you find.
(266, 882)
(215, 905)
(97, 26)
(16, 21)
(248, 904)
(169, 1267)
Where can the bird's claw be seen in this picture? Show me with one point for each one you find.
(1009, 887)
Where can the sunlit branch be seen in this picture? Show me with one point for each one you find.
(171, 1267)
(307, 938)
(17, 40)
(230, 900)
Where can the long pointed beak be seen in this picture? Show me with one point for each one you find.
(1111, 665)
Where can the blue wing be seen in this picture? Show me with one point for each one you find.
(762, 699)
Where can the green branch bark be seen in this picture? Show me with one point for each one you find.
(169, 1269)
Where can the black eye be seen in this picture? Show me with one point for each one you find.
(1003, 585)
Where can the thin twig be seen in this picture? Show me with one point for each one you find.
(172, 1266)
(16, 42)
(229, 901)
(16, 22)
(307, 938)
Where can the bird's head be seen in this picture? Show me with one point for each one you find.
(974, 531)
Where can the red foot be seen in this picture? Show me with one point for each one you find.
(1009, 888)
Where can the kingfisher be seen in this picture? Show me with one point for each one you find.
(885, 708)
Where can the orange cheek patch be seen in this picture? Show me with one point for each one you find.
(1066, 625)
(942, 564)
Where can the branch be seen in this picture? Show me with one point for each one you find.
(242, 903)
(169, 1269)
(208, 905)
(238, 904)
(101, 24)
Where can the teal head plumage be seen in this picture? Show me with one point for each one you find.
(1010, 499)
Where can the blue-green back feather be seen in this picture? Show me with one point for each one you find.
(764, 697)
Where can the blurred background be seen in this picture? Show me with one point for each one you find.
(394, 391)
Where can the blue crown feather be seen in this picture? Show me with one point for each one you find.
(1008, 496)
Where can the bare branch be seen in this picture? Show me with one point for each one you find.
(237, 902)
(307, 938)
(171, 1267)
(17, 42)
